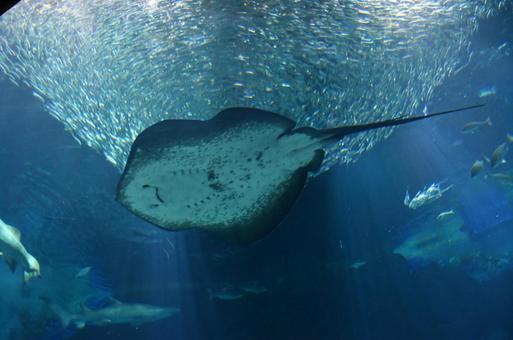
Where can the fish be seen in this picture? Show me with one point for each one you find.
(502, 177)
(473, 126)
(237, 174)
(498, 155)
(487, 91)
(476, 168)
(83, 272)
(116, 312)
(227, 293)
(358, 264)
(425, 196)
(14, 252)
(253, 288)
(445, 214)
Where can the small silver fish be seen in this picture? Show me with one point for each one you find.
(487, 91)
(358, 264)
(446, 214)
(476, 168)
(473, 126)
(228, 293)
(253, 288)
(498, 155)
(502, 177)
(83, 272)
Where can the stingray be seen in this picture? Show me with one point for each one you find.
(237, 174)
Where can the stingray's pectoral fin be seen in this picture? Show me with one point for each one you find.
(340, 132)
(5, 5)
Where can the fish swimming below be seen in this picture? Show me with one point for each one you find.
(227, 293)
(445, 215)
(474, 126)
(502, 177)
(237, 174)
(498, 155)
(83, 272)
(476, 168)
(116, 313)
(487, 91)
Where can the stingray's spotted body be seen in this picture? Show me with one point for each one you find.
(236, 174)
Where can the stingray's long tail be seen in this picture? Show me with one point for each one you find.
(340, 132)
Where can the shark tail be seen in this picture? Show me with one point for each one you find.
(64, 317)
(488, 121)
(342, 131)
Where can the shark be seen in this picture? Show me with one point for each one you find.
(14, 252)
(116, 312)
(236, 174)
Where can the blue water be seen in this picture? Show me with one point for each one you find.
(61, 197)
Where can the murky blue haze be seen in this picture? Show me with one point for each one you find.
(329, 271)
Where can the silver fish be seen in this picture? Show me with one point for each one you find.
(502, 177)
(83, 272)
(116, 313)
(498, 155)
(445, 214)
(476, 168)
(473, 126)
(228, 293)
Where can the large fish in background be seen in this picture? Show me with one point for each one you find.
(116, 312)
(476, 237)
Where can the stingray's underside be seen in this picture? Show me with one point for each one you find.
(237, 174)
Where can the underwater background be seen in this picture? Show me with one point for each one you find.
(350, 261)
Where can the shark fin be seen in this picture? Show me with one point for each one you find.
(63, 316)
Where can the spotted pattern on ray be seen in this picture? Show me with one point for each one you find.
(229, 176)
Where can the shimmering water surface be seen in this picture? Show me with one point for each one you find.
(79, 80)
